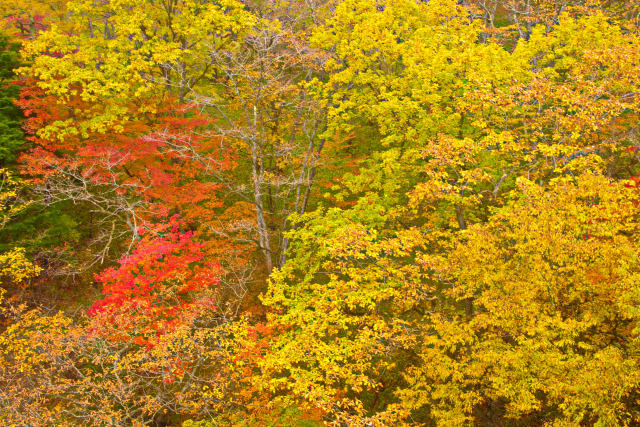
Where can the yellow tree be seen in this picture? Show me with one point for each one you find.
(349, 292)
(554, 335)
(15, 268)
(459, 122)
(121, 53)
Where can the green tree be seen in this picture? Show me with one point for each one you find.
(11, 136)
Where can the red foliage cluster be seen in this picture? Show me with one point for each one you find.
(158, 156)
(164, 282)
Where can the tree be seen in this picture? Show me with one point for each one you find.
(52, 370)
(553, 338)
(129, 53)
(157, 287)
(263, 107)
(27, 18)
(245, 72)
(460, 123)
(15, 267)
(12, 139)
(125, 177)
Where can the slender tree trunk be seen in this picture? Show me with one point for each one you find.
(301, 206)
(263, 229)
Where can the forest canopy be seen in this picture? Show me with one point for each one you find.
(319, 212)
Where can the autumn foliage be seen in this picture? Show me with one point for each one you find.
(320, 212)
(162, 281)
